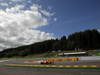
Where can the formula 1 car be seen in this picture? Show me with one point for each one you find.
(46, 62)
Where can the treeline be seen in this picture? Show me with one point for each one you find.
(86, 40)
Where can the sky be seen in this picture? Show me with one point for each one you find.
(24, 22)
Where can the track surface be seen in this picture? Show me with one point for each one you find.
(5, 70)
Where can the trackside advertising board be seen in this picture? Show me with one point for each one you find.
(63, 59)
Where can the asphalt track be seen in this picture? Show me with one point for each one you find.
(11, 70)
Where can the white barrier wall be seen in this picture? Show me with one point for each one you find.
(90, 58)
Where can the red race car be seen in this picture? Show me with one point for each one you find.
(46, 62)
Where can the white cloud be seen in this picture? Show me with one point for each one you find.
(98, 30)
(17, 26)
(55, 19)
(3, 4)
(29, 1)
(46, 13)
(15, 9)
(16, 0)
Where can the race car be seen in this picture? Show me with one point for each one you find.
(46, 62)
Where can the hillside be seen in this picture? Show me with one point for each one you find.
(84, 40)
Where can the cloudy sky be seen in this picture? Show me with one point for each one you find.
(24, 22)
